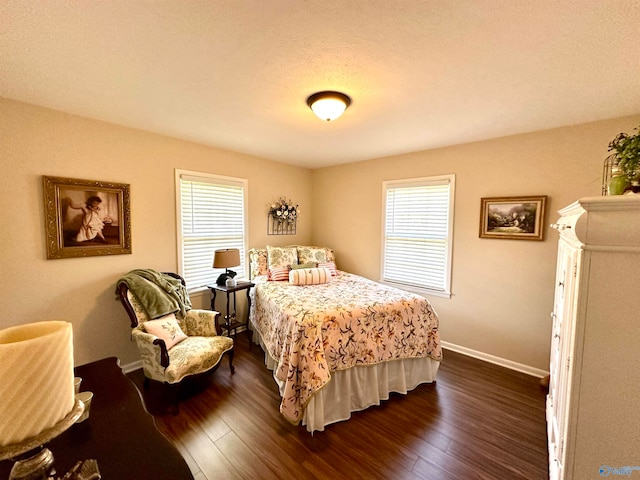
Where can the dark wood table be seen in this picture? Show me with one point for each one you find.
(231, 321)
(119, 433)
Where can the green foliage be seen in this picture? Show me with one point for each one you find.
(626, 150)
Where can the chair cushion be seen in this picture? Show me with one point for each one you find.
(195, 355)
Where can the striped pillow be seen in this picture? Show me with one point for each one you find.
(278, 274)
(309, 276)
(331, 266)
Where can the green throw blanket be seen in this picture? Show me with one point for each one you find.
(159, 294)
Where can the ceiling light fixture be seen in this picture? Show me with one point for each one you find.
(328, 105)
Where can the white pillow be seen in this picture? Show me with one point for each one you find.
(309, 276)
(166, 328)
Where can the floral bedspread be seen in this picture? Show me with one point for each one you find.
(313, 330)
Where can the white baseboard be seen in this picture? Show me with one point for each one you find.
(130, 367)
(503, 362)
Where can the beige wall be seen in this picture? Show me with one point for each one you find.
(502, 289)
(36, 141)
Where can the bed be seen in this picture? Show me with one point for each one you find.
(337, 343)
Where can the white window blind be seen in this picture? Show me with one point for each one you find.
(417, 238)
(211, 216)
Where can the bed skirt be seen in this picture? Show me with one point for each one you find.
(358, 388)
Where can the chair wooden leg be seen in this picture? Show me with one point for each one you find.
(172, 397)
(146, 383)
(231, 367)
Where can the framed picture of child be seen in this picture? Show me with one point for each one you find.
(85, 218)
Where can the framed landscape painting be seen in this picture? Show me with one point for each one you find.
(515, 218)
(86, 218)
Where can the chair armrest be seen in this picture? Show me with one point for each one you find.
(201, 323)
(151, 344)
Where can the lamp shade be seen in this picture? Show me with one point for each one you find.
(225, 258)
(328, 105)
(36, 368)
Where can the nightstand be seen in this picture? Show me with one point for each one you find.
(231, 322)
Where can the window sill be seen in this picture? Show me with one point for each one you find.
(418, 290)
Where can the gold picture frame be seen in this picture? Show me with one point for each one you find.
(85, 218)
(514, 218)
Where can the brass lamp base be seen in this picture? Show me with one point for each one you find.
(38, 466)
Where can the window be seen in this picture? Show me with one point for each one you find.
(417, 234)
(211, 215)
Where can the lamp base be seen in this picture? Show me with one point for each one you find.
(32, 460)
(222, 279)
(38, 466)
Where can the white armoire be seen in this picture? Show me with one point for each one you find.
(593, 406)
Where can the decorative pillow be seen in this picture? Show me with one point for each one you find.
(304, 265)
(331, 257)
(281, 256)
(309, 276)
(258, 261)
(331, 266)
(278, 274)
(167, 329)
(312, 254)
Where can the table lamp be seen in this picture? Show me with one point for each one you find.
(225, 258)
(37, 395)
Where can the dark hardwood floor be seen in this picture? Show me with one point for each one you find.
(478, 421)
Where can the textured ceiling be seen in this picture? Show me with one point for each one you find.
(236, 74)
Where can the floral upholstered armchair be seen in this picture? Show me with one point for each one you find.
(176, 345)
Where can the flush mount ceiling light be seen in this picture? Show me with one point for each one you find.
(328, 105)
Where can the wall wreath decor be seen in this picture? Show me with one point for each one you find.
(283, 217)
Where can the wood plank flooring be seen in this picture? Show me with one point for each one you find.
(478, 421)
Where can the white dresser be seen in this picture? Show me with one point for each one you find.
(593, 406)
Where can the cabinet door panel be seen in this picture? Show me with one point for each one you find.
(564, 312)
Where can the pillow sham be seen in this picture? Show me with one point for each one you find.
(258, 262)
(278, 274)
(331, 257)
(281, 256)
(166, 328)
(311, 254)
(331, 266)
(309, 276)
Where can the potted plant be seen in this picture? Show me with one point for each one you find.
(626, 155)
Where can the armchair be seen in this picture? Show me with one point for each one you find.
(200, 344)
